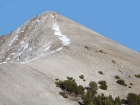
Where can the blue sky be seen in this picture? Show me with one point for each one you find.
(118, 20)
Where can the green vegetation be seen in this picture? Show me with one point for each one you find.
(86, 47)
(63, 94)
(131, 84)
(125, 84)
(133, 99)
(117, 77)
(138, 75)
(90, 96)
(113, 61)
(121, 82)
(106, 100)
(71, 87)
(81, 76)
(103, 85)
(56, 79)
(70, 78)
(100, 72)
(101, 51)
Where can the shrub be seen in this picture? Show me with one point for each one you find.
(138, 75)
(84, 80)
(117, 77)
(57, 79)
(102, 82)
(125, 84)
(88, 98)
(93, 85)
(63, 94)
(101, 51)
(121, 82)
(81, 76)
(100, 72)
(106, 100)
(133, 99)
(103, 85)
(70, 78)
(70, 86)
(86, 47)
(113, 61)
(80, 90)
(91, 98)
(131, 84)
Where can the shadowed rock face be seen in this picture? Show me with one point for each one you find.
(50, 46)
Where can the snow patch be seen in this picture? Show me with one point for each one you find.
(14, 39)
(52, 16)
(3, 62)
(30, 49)
(27, 58)
(46, 48)
(38, 21)
(19, 54)
(8, 58)
(22, 42)
(57, 31)
(13, 53)
(18, 30)
(59, 49)
(26, 46)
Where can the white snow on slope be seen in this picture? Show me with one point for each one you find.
(26, 46)
(52, 16)
(63, 38)
(22, 42)
(46, 48)
(24, 51)
(18, 30)
(14, 39)
(38, 21)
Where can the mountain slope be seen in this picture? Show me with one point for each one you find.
(56, 48)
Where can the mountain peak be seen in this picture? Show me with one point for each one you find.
(37, 37)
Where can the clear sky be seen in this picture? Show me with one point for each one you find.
(118, 20)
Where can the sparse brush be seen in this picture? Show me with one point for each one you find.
(131, 84)
(117, 77)
(70, 78)
(86, 47)
(113, 61)
(101, 51)
(121, 82)
(56, 79)
(103, 85)
(81, 76)
(138, 75)
(100, 72)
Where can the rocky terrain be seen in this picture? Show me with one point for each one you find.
(51, 46)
